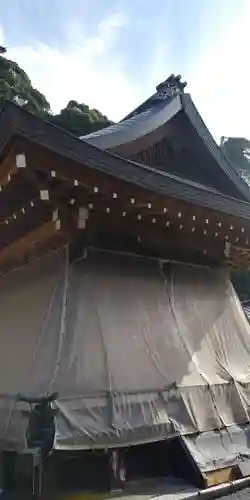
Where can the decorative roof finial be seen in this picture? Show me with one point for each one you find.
(170, 87)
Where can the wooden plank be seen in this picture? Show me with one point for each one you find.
(48, 233)
(220, 476)
(97, 202)
(54, 242)
(89, 179)
(145, 228)
(32, 239)
(46, 190)
(8, 166)
(24, 222)
(16, 195)
(134, 237)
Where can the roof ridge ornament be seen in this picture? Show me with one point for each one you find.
(171, 87)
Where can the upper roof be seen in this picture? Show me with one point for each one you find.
(170, 117)
(136, 126)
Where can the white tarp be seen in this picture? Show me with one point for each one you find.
(213, 450)
(138, 350)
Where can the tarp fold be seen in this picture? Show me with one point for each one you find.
(136, 349)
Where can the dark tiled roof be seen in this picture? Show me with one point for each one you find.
(136, 126)
(205, 163)
(16, 122)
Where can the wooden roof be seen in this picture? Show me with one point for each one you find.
(168, 132)
(54, 185)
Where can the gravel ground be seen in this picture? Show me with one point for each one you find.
(238, 495)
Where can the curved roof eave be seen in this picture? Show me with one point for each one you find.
(135, 127)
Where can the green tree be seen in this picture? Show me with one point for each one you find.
(79, 119)
(241, 282)
(15, 85)
(237, 151)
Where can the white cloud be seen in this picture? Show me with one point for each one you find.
(219, 81)
(88, 69)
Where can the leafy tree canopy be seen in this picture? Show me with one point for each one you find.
(16, 86)
(79, 119)
(237, 150)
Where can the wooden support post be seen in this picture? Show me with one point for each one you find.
(117, 469)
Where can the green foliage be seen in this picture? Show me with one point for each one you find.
(79, 119)
(237, 151)
(241, 281)
(15, 85)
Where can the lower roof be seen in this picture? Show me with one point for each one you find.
(18, 123)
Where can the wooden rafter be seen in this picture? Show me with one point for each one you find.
(130, 197)
(181, 215)
(46, 190)
(8, 167)
(69, 190)
(131, 236)
(35, 243)
(16, 195)
(31, 239)
(17, 227)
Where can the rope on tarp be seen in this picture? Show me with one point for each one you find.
(62, 320)
(138, 256)
(33, 356)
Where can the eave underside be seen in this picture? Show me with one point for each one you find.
(52, 199)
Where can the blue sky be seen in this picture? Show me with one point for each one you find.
(111, 54)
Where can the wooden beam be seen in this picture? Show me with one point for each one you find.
(30, 240)
(16, 195)
(167, 242)
(46, 191)
(43, 239)
(7, 165)
(30, 254)
(41, 229)
(181, 231)
(11, 164)
(220, 476)
(90, 179)
(186, 219)
(131, 198)
(23, 223)
(70, 171)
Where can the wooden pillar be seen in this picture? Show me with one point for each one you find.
(117, 469)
